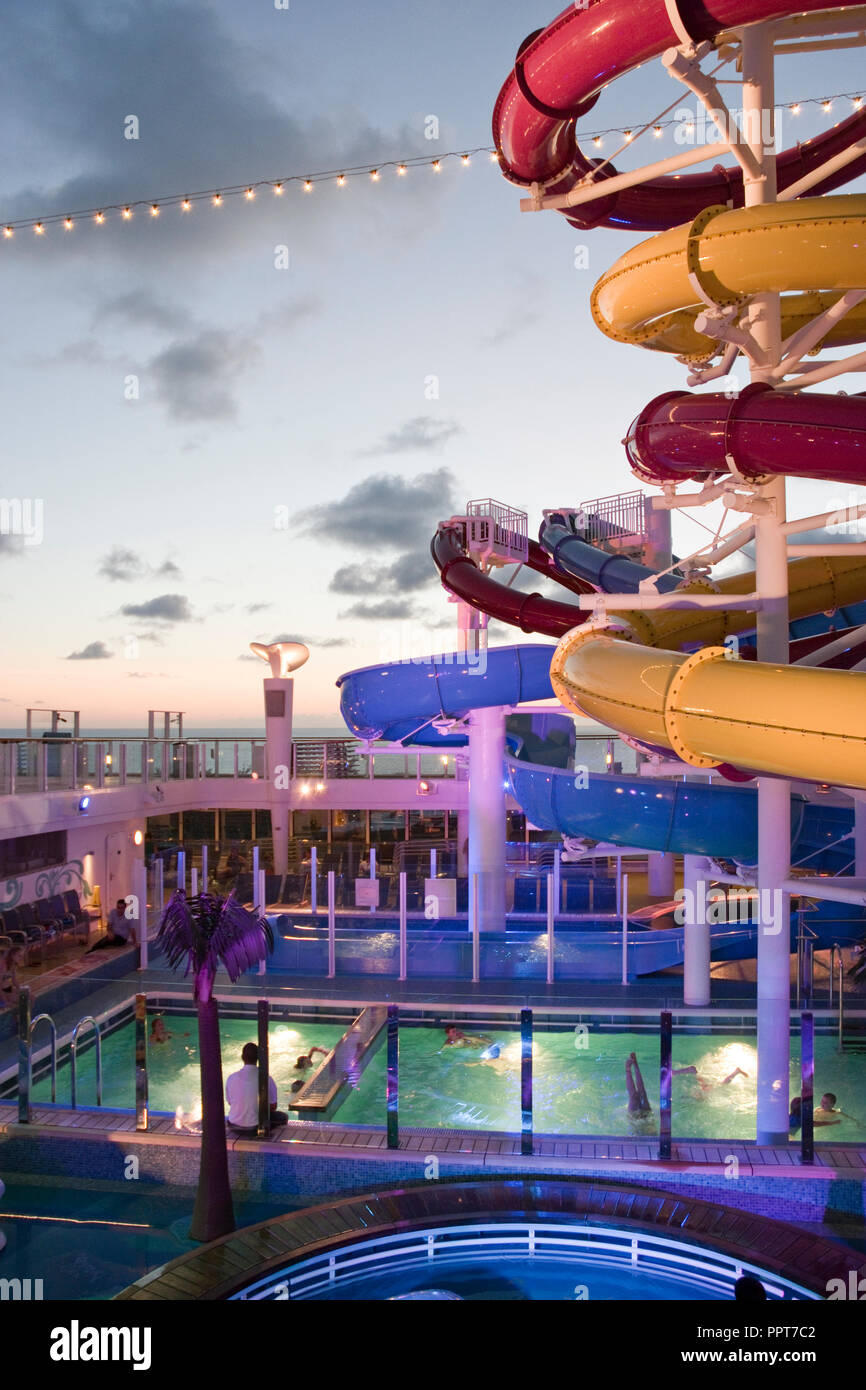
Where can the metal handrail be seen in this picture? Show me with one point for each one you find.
(43, 1018)
(73, 1059)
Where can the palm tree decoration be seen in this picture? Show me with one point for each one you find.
(207, 932)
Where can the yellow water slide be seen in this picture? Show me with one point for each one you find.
(710, 708)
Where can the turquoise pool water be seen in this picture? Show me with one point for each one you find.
(578, 1079)
(579, 1084)
(172, 1067)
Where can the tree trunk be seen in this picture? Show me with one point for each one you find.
(213, 1215)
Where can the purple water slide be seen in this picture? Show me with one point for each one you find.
(763, 431)
(556, 79)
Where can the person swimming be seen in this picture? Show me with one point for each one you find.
(708, 1085)
(638, 1102)
(455, 1038)
(306, 1058)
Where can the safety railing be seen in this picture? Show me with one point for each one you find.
(40, 1018)
(618, 517)
(73, 1059)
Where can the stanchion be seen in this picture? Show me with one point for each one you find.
(141, 1062)
(372, 871)
(314, 880)
(665, 1075)
(181, 871)
(264, 1126)
(332, 927)
(204, 868)
(392, 1084)
(807, 1087)
(526, 1144)
(625, 929)
(193, 881)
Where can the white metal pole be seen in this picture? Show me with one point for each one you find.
(160, 884)
(557, 879)
(433, 863)
(139, 888)
(255, 868)
(314, 879)
(625, 929)
(193, 881)
(204, 868)
(403, 944)
(551, 927)
(332, 927)
(476, 935)
(696, 933)
(181, 871)
(487, 814)
(771, 582)
(372, 870)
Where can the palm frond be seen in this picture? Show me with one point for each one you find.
(208, 931)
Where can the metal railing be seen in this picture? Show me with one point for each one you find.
(613, 518)
(42, 1018)
(73, 1060)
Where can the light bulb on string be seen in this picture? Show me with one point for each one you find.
(374, 175)
(39, 229)
(99, 218)
(217, 200)
(308, 185)
(341, 179)
(401, 169)
(126, 214)
(8, 232)
(278, 188)
(250, 194)
(186, 205)
(154, 210)
(68, 223)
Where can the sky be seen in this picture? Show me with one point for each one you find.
(243, 423)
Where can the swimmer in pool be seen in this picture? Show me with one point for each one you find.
(827, 1114)
(306, 1058)
(454, 1038)
(158, 1031)
(638, 1103)
(708, 1085)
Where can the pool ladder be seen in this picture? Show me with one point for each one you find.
(24, 1099)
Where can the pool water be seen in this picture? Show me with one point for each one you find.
(89, 1243)
(579, 1084)
(172, 1067)
(578, 1079)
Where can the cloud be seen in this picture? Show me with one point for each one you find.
(420, 433)
(166, 608)
(385, 511)
(122, 566)
(257, 607)
(147, 675)
(94, 651)
(194, 377)
(141, 306)
(406, 574)
(386, 610)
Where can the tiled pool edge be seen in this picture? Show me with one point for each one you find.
(329, 1161)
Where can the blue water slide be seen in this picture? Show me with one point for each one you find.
(399, 701)
(613, 574)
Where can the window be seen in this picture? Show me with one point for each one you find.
(26, 853)
(427, 825)
(349, 825)
(237, 825)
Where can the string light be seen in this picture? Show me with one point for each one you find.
(340, 177)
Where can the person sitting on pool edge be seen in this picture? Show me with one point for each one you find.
(242, 1094)
(121, 929)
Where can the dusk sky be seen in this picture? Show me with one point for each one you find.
(227, 414)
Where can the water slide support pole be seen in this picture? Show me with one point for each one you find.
(487, 815)
(696, 934)
(771, 582)
(661, 874)
(476, 936)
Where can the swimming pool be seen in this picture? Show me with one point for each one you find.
(578, 1078)
(172, 1067)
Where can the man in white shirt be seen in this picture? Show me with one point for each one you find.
(242, 1094)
